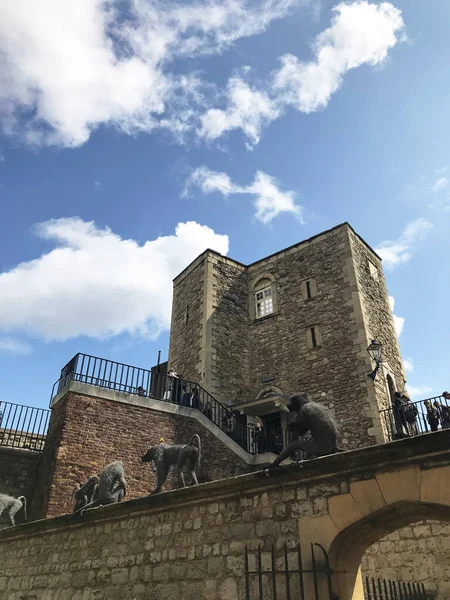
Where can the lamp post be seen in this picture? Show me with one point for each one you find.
(375, 351)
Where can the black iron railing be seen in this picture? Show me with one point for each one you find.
(386, 589)
(279, 577)
(416, 418)
(23, 426)
(121, 377)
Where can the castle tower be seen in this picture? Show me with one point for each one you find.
(298, 320)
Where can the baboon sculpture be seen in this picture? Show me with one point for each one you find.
(111, 487)
(84, 494)
(163, 456)
(13, 505)
(314, 418)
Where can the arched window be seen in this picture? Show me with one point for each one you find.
(263, 297)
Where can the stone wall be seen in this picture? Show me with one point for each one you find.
(188, 544)
(230, 340)
(88, 430)
(238, 354)
(378, 316)
(419, 552)
(186, 328)
(18, 472)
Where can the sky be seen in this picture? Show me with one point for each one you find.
(135, 134)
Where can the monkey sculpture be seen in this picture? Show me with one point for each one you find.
(313, 418)
(13, 505)
(163, 456)
(84, 494)
(111, 487)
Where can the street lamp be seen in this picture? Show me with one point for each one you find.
(375, 351)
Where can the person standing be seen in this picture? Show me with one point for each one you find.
(432, 415)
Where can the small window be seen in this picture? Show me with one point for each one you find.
(313, 337)
(187, 314)
(264, 302)
(309, 289)
(373, 270)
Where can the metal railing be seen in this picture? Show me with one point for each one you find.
(23, 426)
(92, 370)
(285, 576)
(386, 589)
(416, 418)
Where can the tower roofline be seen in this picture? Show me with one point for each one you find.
(293, 246)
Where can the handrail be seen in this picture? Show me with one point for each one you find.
(414, 418)
(101, 372)
(23, 426)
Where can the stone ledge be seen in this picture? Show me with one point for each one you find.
(419, 450)
(20, 451)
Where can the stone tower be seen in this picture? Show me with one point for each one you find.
(300, 319)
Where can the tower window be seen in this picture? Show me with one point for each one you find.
(373, 271)
(313, 337)
(309, 289)
(264, 302)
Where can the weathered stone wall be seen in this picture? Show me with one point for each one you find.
(93, 431)
(278, 344)
(18, 472)
(186, 328)
(190, 543)
(237, 354)
(378, 316)
(419, 552)
(230, 339)
(183, 545)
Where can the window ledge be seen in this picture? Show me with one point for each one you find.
(265, 318)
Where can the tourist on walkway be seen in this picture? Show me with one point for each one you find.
(432, 415)
(401, 425)
(411, 415)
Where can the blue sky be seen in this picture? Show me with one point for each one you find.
(134, 138)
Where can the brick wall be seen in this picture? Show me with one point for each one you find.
(420, 553)
(87, 432)
(18, 472)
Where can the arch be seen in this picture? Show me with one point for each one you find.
(262, 280)
(391, 386)
(371, 509)
(257, 285)
(269, 390)
(348, 547)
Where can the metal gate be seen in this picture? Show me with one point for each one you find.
(386, 589)
(283, 577)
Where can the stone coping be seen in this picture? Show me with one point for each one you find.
(17, 451)
(102, 393)
(427, 450)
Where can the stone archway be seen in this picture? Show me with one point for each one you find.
(372, 509)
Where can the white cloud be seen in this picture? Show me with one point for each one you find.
(399, 322)
(269, 201)
(419, 392)
(11, 346)
(73, 66)
(361, 33)
(408, 364)
(399, 251)
(97, 185)
(97, 284)
(439, 185)
(247, 109)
